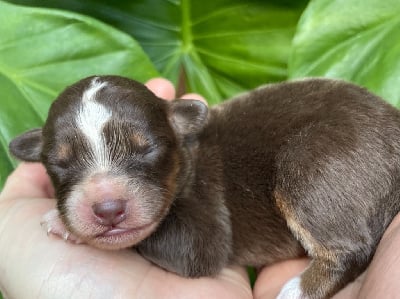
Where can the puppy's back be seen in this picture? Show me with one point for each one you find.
(320, 156)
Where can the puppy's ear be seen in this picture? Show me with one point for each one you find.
(188, 117)
(28, 146)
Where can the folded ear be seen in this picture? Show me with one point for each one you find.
(28, 146)
(188, 117)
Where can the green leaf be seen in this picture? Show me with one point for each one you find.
(356, 40)
(221, 47)
(41, 52)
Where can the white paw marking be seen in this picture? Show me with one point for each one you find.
(292, 290)
(52, 224)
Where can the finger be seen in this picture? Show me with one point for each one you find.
(231, 283)
(236, 278)
(161, 88)
(194, 96)
(272, 278)
(28, 180)
(383, 273)
(352, 290)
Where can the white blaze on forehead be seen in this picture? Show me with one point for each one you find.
(91, 119)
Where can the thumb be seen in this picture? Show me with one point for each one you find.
(162, 88)
(28, 180)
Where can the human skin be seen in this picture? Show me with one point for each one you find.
(33, 265)
(380, 280)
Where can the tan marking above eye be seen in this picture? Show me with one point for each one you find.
(64, 152)
(139, 139)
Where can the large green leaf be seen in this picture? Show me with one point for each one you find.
(357, 40)
(221, 47)
(41, 52)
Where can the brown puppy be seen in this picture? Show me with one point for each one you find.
(310, 165)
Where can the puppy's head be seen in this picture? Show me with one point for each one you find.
(114, 152)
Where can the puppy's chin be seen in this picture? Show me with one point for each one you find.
(120, 238)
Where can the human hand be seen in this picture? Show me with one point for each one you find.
(33, 265)
(380, 280)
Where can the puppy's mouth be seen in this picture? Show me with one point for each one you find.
(115, 237)
(119, 231)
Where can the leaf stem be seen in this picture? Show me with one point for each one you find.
(186, 26)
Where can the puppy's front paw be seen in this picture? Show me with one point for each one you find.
(53, 224)
(292, 290)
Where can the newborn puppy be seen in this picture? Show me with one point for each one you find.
(310, 166)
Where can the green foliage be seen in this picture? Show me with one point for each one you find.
(357, 40)
(220, 47)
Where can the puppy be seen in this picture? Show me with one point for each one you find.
(307, 166)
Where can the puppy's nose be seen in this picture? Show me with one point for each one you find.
(110, 212)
